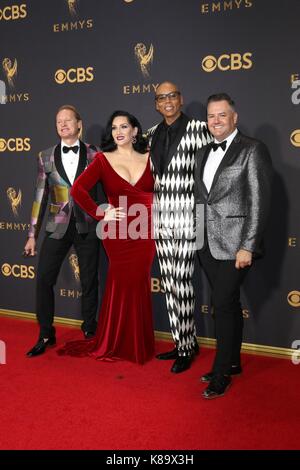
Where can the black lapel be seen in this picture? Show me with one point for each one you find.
(82, 160)
(154, 156)
(181, 131)
(58, 163)
(201, 164)
(228, 158)
(205, 154)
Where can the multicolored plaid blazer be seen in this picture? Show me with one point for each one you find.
(53, 187)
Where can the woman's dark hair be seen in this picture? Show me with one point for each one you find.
(107, 142)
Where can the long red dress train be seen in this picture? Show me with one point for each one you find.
(125, 325)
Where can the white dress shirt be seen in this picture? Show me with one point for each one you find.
(70, 160)
(214, 159)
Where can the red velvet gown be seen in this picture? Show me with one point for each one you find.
(125, 325)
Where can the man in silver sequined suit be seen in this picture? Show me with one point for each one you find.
(233, 181)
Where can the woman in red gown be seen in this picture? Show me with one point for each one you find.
(125, 326)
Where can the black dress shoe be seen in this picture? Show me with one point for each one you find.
(41, 347)
(88, 334)
(235, 370)
(217, 387)
(181, 364)
(170, 355)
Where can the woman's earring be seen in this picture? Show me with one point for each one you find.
(133, 139)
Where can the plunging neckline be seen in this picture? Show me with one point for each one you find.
(121, 177)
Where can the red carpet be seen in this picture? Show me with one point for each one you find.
(52, 402)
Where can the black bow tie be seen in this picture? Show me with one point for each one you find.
(67, 149)
(215, 146)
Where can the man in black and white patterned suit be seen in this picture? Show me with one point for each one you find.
(174, 143)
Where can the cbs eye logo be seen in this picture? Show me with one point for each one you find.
(15, 144)
(74, 75)
(18, 270)
(293, 298)
(234, 61)
(295, 138)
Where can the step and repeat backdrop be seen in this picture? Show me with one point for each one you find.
(102, 55)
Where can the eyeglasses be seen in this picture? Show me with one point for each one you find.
(172, 96)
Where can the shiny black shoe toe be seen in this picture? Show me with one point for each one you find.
(217, 387)
(235, 370)
(41, 347)
(170, 355)
(181, 364)
(88, 334)
(207, 377)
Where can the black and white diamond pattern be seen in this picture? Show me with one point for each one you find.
(176, 259)
(173, 229)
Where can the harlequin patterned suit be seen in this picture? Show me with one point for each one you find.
(66, 225)
(173, 226)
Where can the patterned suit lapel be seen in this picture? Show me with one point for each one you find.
(59, 166)
(228, 158)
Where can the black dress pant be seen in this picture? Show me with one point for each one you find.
(52, 255)
(225, 282)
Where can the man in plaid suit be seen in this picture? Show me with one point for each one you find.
(67, 225)
(174, 143)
